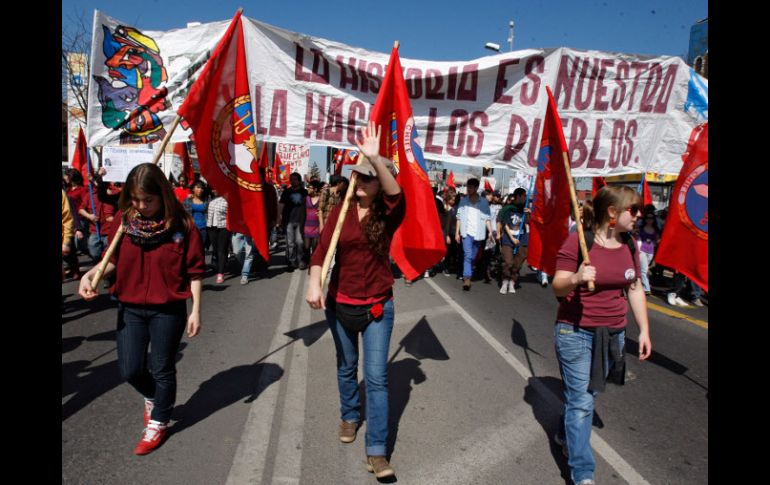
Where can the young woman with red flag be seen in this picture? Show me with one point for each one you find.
(158, 265)
(590, 326)
(360, 297)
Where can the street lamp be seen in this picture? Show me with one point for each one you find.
(510, 34)
(492, 46)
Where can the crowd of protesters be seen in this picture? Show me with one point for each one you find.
(486, 237)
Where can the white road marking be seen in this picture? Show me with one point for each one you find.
(602, 448)
(250, 456)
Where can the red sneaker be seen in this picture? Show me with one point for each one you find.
(148, 405)
(151, 438)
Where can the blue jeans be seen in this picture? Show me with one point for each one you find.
(470, 249)
(376, 339)
(96, 246)
(245, 243)
(574, 350)
(154, 378)
(644, 264)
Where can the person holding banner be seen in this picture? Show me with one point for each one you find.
(360, 297)
(590, 326)
(157, 266)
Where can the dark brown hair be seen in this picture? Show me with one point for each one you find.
(148, 178)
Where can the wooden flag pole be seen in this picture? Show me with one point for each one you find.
(341, 218)
(340, 222)
(576, 215)
(119, 234)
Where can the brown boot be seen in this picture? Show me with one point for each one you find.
(348, 431)
(466, 284)
(379, 466)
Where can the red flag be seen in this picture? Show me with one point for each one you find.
(263, 158)
(596, 184)
(488, 186)
(646, 195)
(551, 197)
(418, 243)
(450, 181)
(180, 149)
(685, 242)
(281, 175)
(338, 156)
(219, 111)
(80, 157)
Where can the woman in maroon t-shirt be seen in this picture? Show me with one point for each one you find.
(590, 326)
(362, 284)
(158, 265)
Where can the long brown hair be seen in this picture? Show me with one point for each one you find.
(596, 214)
(373, 225)
(148, 178)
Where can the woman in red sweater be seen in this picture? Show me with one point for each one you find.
(360, 297)
(158, 265)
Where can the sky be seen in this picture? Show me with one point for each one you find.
(439, 30)
(436, 30)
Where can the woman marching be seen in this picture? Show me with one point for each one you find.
(158, 265)
(360, 297)
(590, 326)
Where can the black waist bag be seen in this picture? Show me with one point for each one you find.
(355, 317)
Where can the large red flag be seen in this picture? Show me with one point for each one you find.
(418, 243)
(551, 197)
(180, 149)
(219, 111)
(450, 181)
(685, 242)
(596, 184)
(80, 157)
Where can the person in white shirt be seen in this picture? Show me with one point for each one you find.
(473, 227)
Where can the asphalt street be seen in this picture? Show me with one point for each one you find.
(474, 382)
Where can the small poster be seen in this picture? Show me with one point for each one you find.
(118, 161)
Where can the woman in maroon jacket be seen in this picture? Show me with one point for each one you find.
(360, 297)
(158, 265)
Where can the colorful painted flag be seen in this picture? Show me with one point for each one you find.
(551, 197)
(450, 181)
(219, 111)
(418, 243)
(180, 149)
(684, 245)
(80, 157)
(596, 184)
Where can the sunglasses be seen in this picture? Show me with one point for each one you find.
(365, 178)
(634, 209)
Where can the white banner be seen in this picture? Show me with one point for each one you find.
(118, 161)
(76, 118)
(621, 113)
(297, 157)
